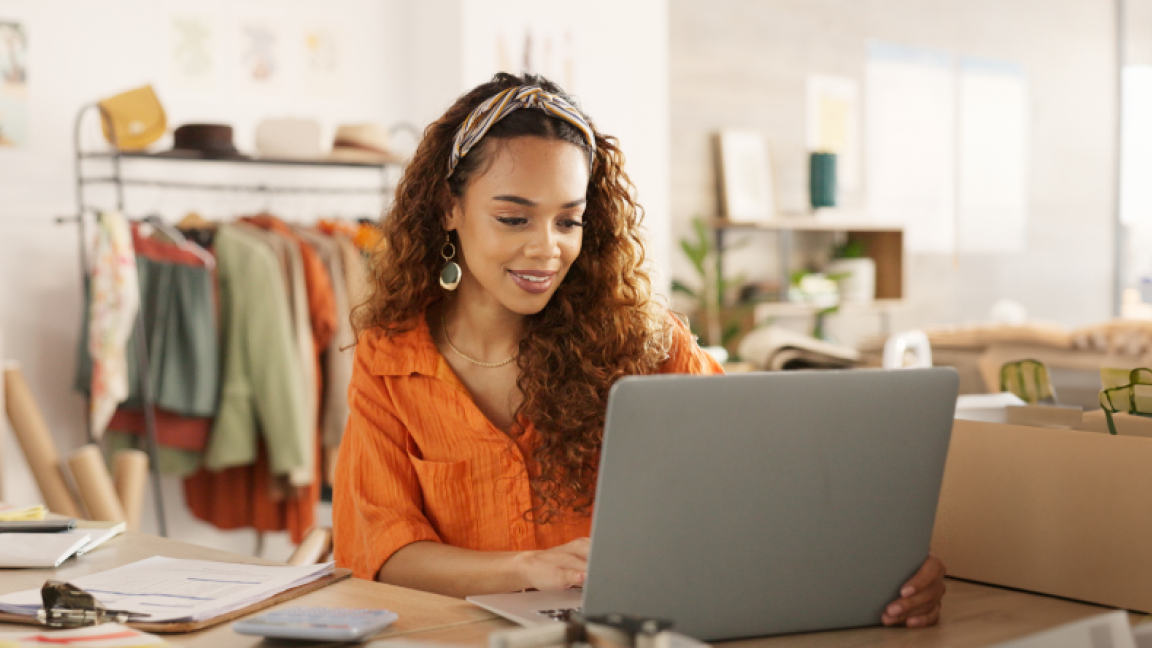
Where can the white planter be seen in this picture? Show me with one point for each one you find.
(859, 287)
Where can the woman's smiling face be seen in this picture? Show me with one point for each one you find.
(520, 222)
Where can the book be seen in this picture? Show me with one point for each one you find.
(32, 550)
(774, 348)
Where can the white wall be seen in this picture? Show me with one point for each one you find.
(619, 73)
(743, 64)
(80, 51)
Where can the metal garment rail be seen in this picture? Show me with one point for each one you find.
(119, 182)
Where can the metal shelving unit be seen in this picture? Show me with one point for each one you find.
(115, 176)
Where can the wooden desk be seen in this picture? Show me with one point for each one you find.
(974, 615)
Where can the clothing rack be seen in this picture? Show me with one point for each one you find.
(120, 181)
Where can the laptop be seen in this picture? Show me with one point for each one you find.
(761, 503)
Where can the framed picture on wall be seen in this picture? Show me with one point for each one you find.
(747, 193)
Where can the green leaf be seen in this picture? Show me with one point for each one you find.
(694, 255)
(680, 287)
(731, 330)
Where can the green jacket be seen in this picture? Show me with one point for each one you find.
(264, 391)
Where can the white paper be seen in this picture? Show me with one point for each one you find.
(984, 401)
(39, 549)
(910, 147)
(170, 589)
(990, 408)
(993, 194)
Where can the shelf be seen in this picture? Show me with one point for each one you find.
(247, 160)
(119, 179)
(802, 224)
(793, 309)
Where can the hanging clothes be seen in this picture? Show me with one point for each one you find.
(337, 356)
(249, 495)
(356, 287)
(114, 301)
(178, 305)
(291, 261)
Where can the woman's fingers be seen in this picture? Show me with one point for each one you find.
(579, 547)
(919, 604)
(925, 620)
(930, 572)
(576, 578)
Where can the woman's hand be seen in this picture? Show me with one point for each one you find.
(556, 568)
(919, 602)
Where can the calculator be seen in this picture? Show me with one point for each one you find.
(317, 623)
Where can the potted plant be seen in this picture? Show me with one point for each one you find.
(715, 324)
(856, 272)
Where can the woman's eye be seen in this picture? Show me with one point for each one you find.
(512, 221)
(571, 224)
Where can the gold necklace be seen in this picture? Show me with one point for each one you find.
(444, 325)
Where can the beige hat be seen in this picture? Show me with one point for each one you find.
(364, 143)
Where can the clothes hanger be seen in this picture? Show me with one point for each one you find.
(180, 240)
(193, 220)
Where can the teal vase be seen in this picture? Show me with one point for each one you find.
(822, 179)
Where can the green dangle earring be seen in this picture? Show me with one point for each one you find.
(450, 273)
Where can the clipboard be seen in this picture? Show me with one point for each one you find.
(175, 627)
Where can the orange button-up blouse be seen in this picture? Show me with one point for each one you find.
(419, 461)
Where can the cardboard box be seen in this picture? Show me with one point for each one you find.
(1061, 512)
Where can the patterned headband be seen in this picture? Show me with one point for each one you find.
(485, 116)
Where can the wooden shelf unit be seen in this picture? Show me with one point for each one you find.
(884, 244)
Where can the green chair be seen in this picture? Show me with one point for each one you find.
(1133, 398)
(1028, 380)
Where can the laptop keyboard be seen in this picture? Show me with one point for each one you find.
(561, 614)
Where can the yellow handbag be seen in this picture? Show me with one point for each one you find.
(132, 120)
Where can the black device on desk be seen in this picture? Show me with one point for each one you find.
(38, 526)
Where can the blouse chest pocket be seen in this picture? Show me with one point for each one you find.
(449, 498)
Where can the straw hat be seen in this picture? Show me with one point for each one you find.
(363, 143)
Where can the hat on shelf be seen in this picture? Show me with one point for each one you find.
(134, 119)
(363, 143)
(203, 142)
(289, 139)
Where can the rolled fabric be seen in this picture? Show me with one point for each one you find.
(130, 475)
(36, 442)
(95, 484)
(313, 548)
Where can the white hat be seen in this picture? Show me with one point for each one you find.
(289, 139)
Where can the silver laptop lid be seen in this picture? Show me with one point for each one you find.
(767, 503)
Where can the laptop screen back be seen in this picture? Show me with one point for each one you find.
(767, 503)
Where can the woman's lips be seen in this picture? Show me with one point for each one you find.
(533, 281)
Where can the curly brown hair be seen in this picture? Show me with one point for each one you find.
(601, 324)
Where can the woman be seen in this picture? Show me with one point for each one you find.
(507, 298)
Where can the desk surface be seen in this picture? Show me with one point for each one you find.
(974, 615)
